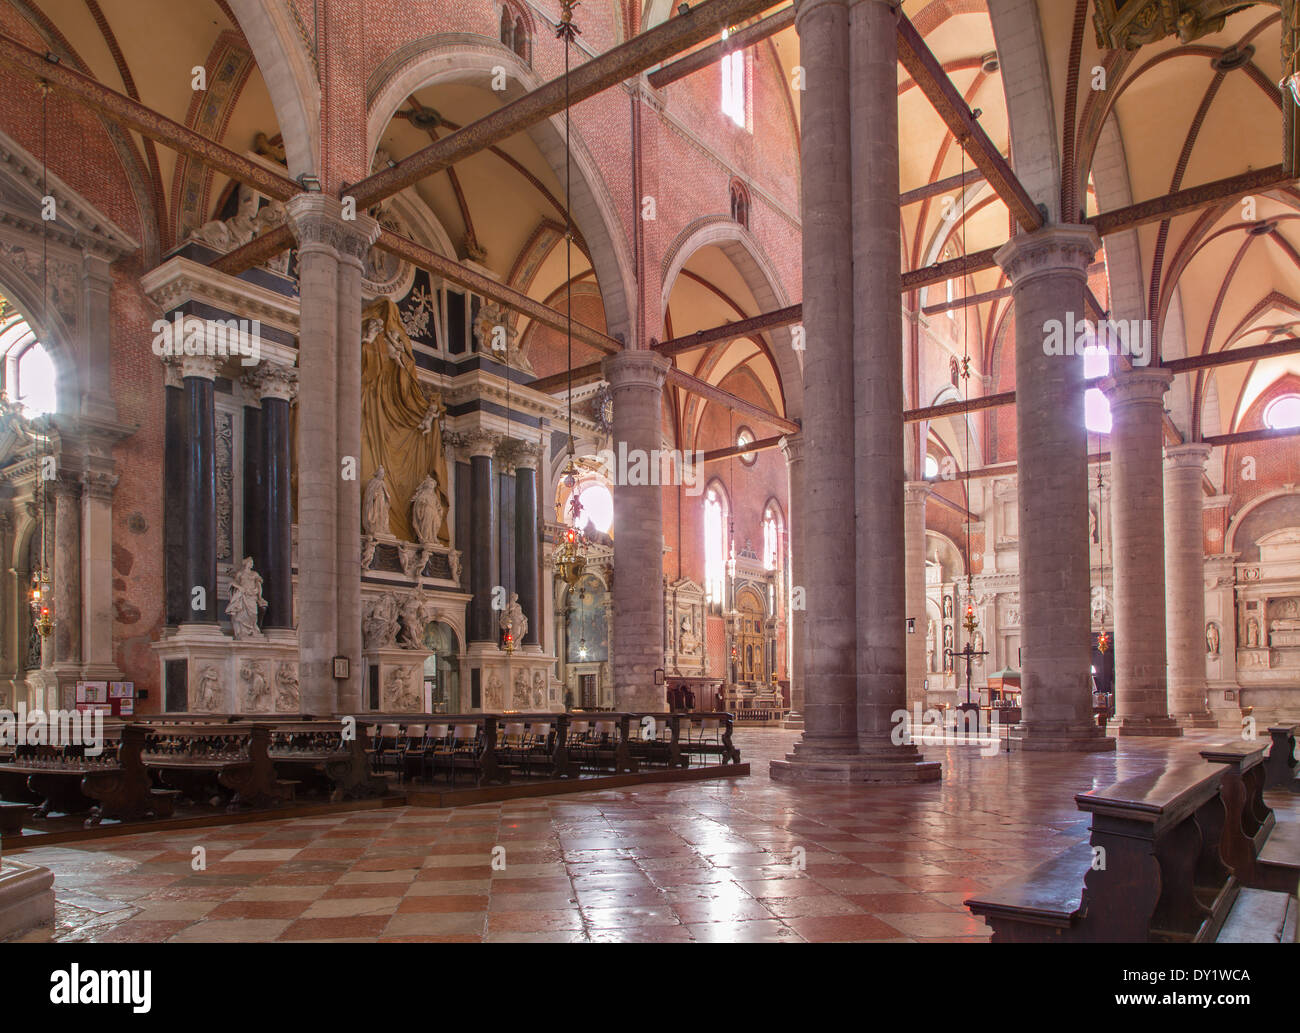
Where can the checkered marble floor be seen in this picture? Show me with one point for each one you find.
(743, 860)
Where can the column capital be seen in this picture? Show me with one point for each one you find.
(792, 445)
(172, 372)
(1052, 249)
(635, 368)
(204, 366)
(1135, 387)
(527, 455)
(98, 485)
(480, 442)
(273, 381)
(1190, 456)
(317, 222)
(915, 492)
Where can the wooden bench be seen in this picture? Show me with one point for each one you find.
(1248, 822)
(13, 816)
(709, 734)
(1280, 769)
(325, 757)
(1150, 873)
(224, 764)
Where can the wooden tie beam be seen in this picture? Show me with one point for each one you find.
(715, 52)
(730, 331)
(725, 398)
(600, 73)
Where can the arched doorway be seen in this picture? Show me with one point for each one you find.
(442, 669)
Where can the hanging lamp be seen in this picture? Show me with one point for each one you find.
(970, 620)
(570, 558)
(41, 593)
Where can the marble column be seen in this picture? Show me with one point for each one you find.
(792, 445)
(636, 380)
(198, 373)
(916, 493)
(331, 252)
(1048, 272)
(97, 655)
(1185, 584)
(1137, 533)
(276, 388)
(484, 560)
(176, 604)
(66, 492)
(526, 567)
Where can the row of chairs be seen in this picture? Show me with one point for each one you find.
(423, 750)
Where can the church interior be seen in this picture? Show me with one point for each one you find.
(649, 471)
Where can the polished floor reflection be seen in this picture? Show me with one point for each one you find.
(739, 860)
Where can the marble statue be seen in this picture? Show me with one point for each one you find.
(513, 621)
(414, 618)
(521, 691)
(246, 602)
(380, 625)
(286, 688)
(979, 644)
(689, 641)
(257, 691)
(539, 690)
(494, 696)
(1212, 639)
(398, 693)
(1252, 633)
(375, 505)
(251, 219)
(427, 511)
(930, 641)
(207, 697)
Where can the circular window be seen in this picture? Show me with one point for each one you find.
(746, 437)
(597, 506)
(1283, 413)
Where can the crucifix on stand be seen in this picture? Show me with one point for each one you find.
(970, 653)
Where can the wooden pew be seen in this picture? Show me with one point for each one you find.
(217, 763)
(328, 756)
(1152, 871)
(1280, 768)
(127, 793)
(1262, 854)
(709, 734)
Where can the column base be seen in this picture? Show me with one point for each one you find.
(1202, 720)
(847, 765)
(1162, 727)
(26, 898)
(1088, 739)
(793, 720)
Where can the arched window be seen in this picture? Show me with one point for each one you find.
(772, 533)
(597, 506)
(1283, 413)
(521, 39)
(931, 467)
(1096, 407)
(36, 391)
(507, 28)
(734, 102)
(715, 544)
(514, 31)
(740, 203)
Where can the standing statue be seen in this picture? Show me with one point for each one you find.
(207, 698)
(376, 504)
(257, 691)
(513, 621)
(379, 627)
(414, 617)
(1252, 633)
(246, 602)
(427, 511)
(930, 641)
(1212, 639)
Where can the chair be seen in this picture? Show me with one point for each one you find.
(413, 750)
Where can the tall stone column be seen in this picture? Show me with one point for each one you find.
(1185, 584)
(855, 665)
(484, 560)
(1137, 532)
(526, 541)
(198, 374)
(829, 574)
(793, 447)
(1048, 271)
(331, 252)
(176, 604)
(636, 379)
(916, 493)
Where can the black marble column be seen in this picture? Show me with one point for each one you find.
(277, 573)
(200, 490)
(484, 559)
(254, 490)
(526, 548)
(177, 599)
